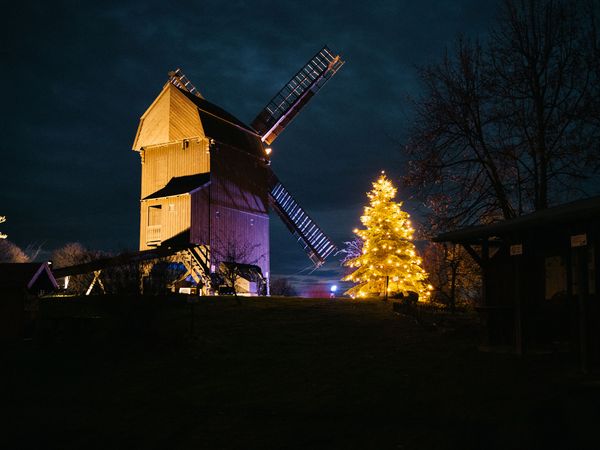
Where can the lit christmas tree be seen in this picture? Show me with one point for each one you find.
(389, 258)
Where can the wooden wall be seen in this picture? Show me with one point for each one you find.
(171, 117)
(238, 207)
(200, 213)
(160, 163)
(175, 218)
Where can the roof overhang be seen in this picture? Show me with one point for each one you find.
(577, 211)
(181, 186)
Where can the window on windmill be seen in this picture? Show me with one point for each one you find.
(185, 144)
(154, 215)
(251, 222)
(171, 207)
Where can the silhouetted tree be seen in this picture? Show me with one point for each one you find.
(511, 125)
(454, 275)
(283, 287)
(231, 252)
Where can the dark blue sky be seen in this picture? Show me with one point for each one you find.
(77, 76)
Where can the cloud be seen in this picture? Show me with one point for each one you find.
(83, 73)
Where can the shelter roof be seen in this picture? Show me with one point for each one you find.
(181, 185)
(24, 275)
(249, 272)
(577, 211)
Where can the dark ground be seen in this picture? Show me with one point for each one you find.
(288, 374)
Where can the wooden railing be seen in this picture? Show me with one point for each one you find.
(153, 234)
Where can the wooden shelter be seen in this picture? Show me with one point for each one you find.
(21, 284)
(206, 176)
(540, 279)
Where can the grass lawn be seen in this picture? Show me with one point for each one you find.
(293, 374)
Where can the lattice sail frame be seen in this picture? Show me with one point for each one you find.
(178, 78)
(315, 242)
(286, 104)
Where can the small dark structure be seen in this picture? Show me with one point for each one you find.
(21, 285)
(247, 278)
(540, 279)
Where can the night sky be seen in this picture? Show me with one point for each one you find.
(77, 77)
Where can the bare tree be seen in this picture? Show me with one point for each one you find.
(511, 125)
(230, 254)
(11, 253)
(283, 287)
(351, 250)
(454, 275)
(71, 254)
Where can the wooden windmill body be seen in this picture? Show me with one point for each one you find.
(206, 177)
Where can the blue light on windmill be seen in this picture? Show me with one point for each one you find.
(333, 288)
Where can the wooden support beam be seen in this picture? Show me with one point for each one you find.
(518, 306)
(94, 280)
(471, 251)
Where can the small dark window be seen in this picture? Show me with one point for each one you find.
(154, 215)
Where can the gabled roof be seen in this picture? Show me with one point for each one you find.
(171, 117)
(181, 185)
(223, 127)
(24, 275)
(177, 114)
(579, 210)
(217, 111)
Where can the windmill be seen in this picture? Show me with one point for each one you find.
(207, 183)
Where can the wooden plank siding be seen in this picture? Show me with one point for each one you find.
(238, 207)
(171, 117)
(240, 234)
(200, 213)
(160, 163)
(175, 219)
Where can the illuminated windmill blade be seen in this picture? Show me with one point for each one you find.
(178, 78)
(315, 242)
(282, 108)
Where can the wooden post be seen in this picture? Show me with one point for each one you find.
(518, 308)
(582, 287)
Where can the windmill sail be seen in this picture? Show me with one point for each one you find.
(282, 108)
(315, 242)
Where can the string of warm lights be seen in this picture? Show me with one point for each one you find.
(389, 258)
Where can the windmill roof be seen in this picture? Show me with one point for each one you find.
(215, 110)
(181, 185)
(177, 114)
(579, 210)
(224, 127)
